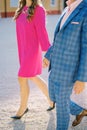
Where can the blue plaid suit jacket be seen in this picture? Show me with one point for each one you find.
(68, 54)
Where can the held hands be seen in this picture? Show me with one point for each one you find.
(45, 62)
(79, 87)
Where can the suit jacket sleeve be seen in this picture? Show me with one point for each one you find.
(49, 53)
(40, 25)
(82, 71)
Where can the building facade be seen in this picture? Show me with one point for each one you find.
(8, 7)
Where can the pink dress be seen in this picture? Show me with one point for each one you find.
(32, 39)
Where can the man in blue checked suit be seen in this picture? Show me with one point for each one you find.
(67, 60)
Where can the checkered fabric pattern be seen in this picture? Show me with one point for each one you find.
(61, 96)
(60, 93)
(68, 54)
(68, 61)
(75, 109)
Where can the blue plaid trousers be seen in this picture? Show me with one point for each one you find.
(60, 93)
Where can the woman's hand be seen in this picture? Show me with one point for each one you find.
(79, 87)
(45, 62)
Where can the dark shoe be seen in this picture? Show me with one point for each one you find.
(79, 118)
(51, 108)
(19, 117)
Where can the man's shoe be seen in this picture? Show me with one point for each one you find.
(19, 117)
(51, 108)
(79, 118)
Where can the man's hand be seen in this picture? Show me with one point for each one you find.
(79, 87)
(45, 62)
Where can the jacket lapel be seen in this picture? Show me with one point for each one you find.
(75, 12)
(59, 20)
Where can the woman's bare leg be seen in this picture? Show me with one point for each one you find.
(24, 94)
(43, 87)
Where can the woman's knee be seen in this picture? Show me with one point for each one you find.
(22, 80)
(33, 78)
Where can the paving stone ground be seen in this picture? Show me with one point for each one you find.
(37, 118)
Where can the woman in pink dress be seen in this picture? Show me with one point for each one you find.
(32, 39)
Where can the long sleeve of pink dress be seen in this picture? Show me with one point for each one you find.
(32, 39)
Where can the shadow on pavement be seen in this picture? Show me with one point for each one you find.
(51, 122)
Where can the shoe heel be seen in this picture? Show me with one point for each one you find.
(51, 108)
(19, 117)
